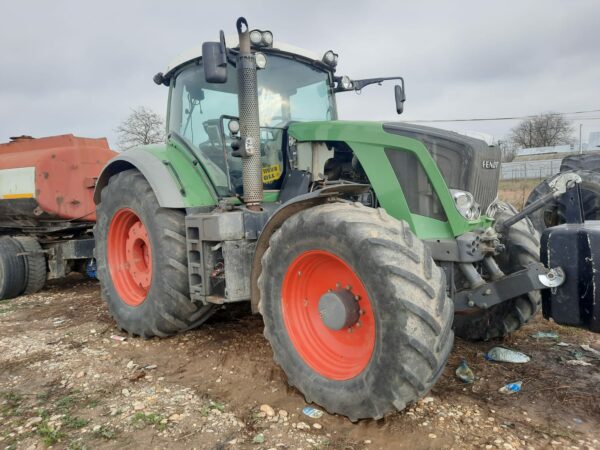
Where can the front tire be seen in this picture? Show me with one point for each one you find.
(388, 355)
(142, 260)
(522, 244)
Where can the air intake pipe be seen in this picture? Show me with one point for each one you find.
(249, 119)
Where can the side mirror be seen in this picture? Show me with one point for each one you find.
(214, 60)
(400, 97)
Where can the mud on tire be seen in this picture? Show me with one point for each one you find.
(167, 308)
(411, 313)
(522, 248)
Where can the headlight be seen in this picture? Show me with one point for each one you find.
(261, 60)
(255, 37)
(330, 58)
(260, 38)
(267, 38)
(346, 82)
(466, 204)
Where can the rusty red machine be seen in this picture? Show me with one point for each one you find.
(46, 209)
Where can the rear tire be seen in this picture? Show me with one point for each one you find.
(142, 260)
(402, 344)
(35, 262)
(553, 213)
(12, 269)
(522, 248)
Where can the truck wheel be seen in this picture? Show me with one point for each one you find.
(553, 213)
(522, 248)
(142, 260)
(35, 264)
(12, 269)
(355, 309)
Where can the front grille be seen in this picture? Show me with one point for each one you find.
(463, 161)
(483, 182)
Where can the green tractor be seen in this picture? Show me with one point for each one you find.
(365, 246)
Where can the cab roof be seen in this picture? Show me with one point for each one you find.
(232, 42)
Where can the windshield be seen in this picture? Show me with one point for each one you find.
(288, 90)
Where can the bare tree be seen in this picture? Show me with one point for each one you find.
(508, 150)
(543, 131)
(143, 126)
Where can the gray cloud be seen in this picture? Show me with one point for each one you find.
(71, 66)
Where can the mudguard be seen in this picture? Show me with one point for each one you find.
(177, 177)
(295, 205)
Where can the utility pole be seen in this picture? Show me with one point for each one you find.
(580, 148)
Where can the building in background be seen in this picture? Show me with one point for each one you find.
(594, 140)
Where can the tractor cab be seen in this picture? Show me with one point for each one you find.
(293, 86)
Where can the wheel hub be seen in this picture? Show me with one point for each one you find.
(129, 254)
(338, 309)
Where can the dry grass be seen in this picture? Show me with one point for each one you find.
(516, 192)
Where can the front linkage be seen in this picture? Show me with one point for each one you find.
(483, 245)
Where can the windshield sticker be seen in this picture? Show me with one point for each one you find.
(271, 173)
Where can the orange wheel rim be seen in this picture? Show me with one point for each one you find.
(129, 255)
(337, 354)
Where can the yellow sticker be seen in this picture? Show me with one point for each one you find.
(271, 173)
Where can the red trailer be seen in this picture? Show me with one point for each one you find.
(46, 208)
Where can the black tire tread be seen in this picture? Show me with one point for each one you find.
(430, 340)
(12, 269)
(590, 189)
(590, 161)
(171, 311)
(35, 262)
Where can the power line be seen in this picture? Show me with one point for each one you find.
(484, 119)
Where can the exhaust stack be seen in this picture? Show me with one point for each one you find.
(249, 119)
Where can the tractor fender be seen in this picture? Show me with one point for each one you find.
(284, 212)
(154, 170)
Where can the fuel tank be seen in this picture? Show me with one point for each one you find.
(49, 179)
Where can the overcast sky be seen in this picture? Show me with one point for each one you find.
(78, 67)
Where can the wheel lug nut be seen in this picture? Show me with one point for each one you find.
(357, 298)
(361, 312)
(350, 330)
(358, 324)
(348, 287)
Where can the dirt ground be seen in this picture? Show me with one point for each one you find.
(66, 383)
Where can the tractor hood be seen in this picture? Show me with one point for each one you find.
(465, 163)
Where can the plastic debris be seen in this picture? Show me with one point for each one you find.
(313, 413)
(259, 438)
(545, 335)
(563, 344)
(593, 351)
(116, 337)
(464, 373)
(511, 388)
(502, 354)
(577, 362)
